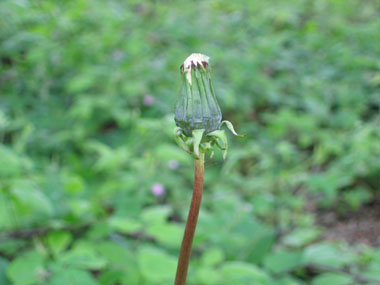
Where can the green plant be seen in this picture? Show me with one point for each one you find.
(198, 119)
(90, 173)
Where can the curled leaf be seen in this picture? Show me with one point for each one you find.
(179, 140)
(220, 135)
(230, 127)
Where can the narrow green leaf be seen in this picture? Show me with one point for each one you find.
(197, 137)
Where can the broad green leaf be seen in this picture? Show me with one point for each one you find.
(325, 254)
(300, 237)
(236, 272)
(156, 214)
(206, 275)
(58, 241)
(168, 234)
(99, 230)
(282, 261)
(125, 225)
(357, 197)
(121, 260)
(74, 184)
(26, 269)
(81, 83)
(288, 280)
(156, 266)
(372, 271)
(83, 256)
(80, 207)
(333, 279)
(10, 162)
(116, 255)
(72, 276)
(212, 256)
(30, 199)
(261, 244)
(111, 277)
(12, 246)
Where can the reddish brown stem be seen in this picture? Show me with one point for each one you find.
(187, 242)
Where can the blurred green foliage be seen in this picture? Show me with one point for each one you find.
(88, 90)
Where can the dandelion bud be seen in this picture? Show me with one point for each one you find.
(197, 107)
(197, 114)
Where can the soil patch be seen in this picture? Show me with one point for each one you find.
(361, 226)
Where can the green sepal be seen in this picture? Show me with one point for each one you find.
(206, 146)
(197, 138)
(221, 135)
(178, 138)
(230, 127)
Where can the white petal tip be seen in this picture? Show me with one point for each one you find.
(195, 59)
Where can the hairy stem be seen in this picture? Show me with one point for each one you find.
(187, 242)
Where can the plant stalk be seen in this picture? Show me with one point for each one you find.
(187, 241)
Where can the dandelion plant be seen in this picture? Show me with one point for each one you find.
(199, 121)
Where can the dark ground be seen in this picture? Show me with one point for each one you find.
(361, 226)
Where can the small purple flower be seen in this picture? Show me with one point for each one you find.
(173, 164)
(148, 100)
(158, 189)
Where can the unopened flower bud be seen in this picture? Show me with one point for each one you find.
(197, 107)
